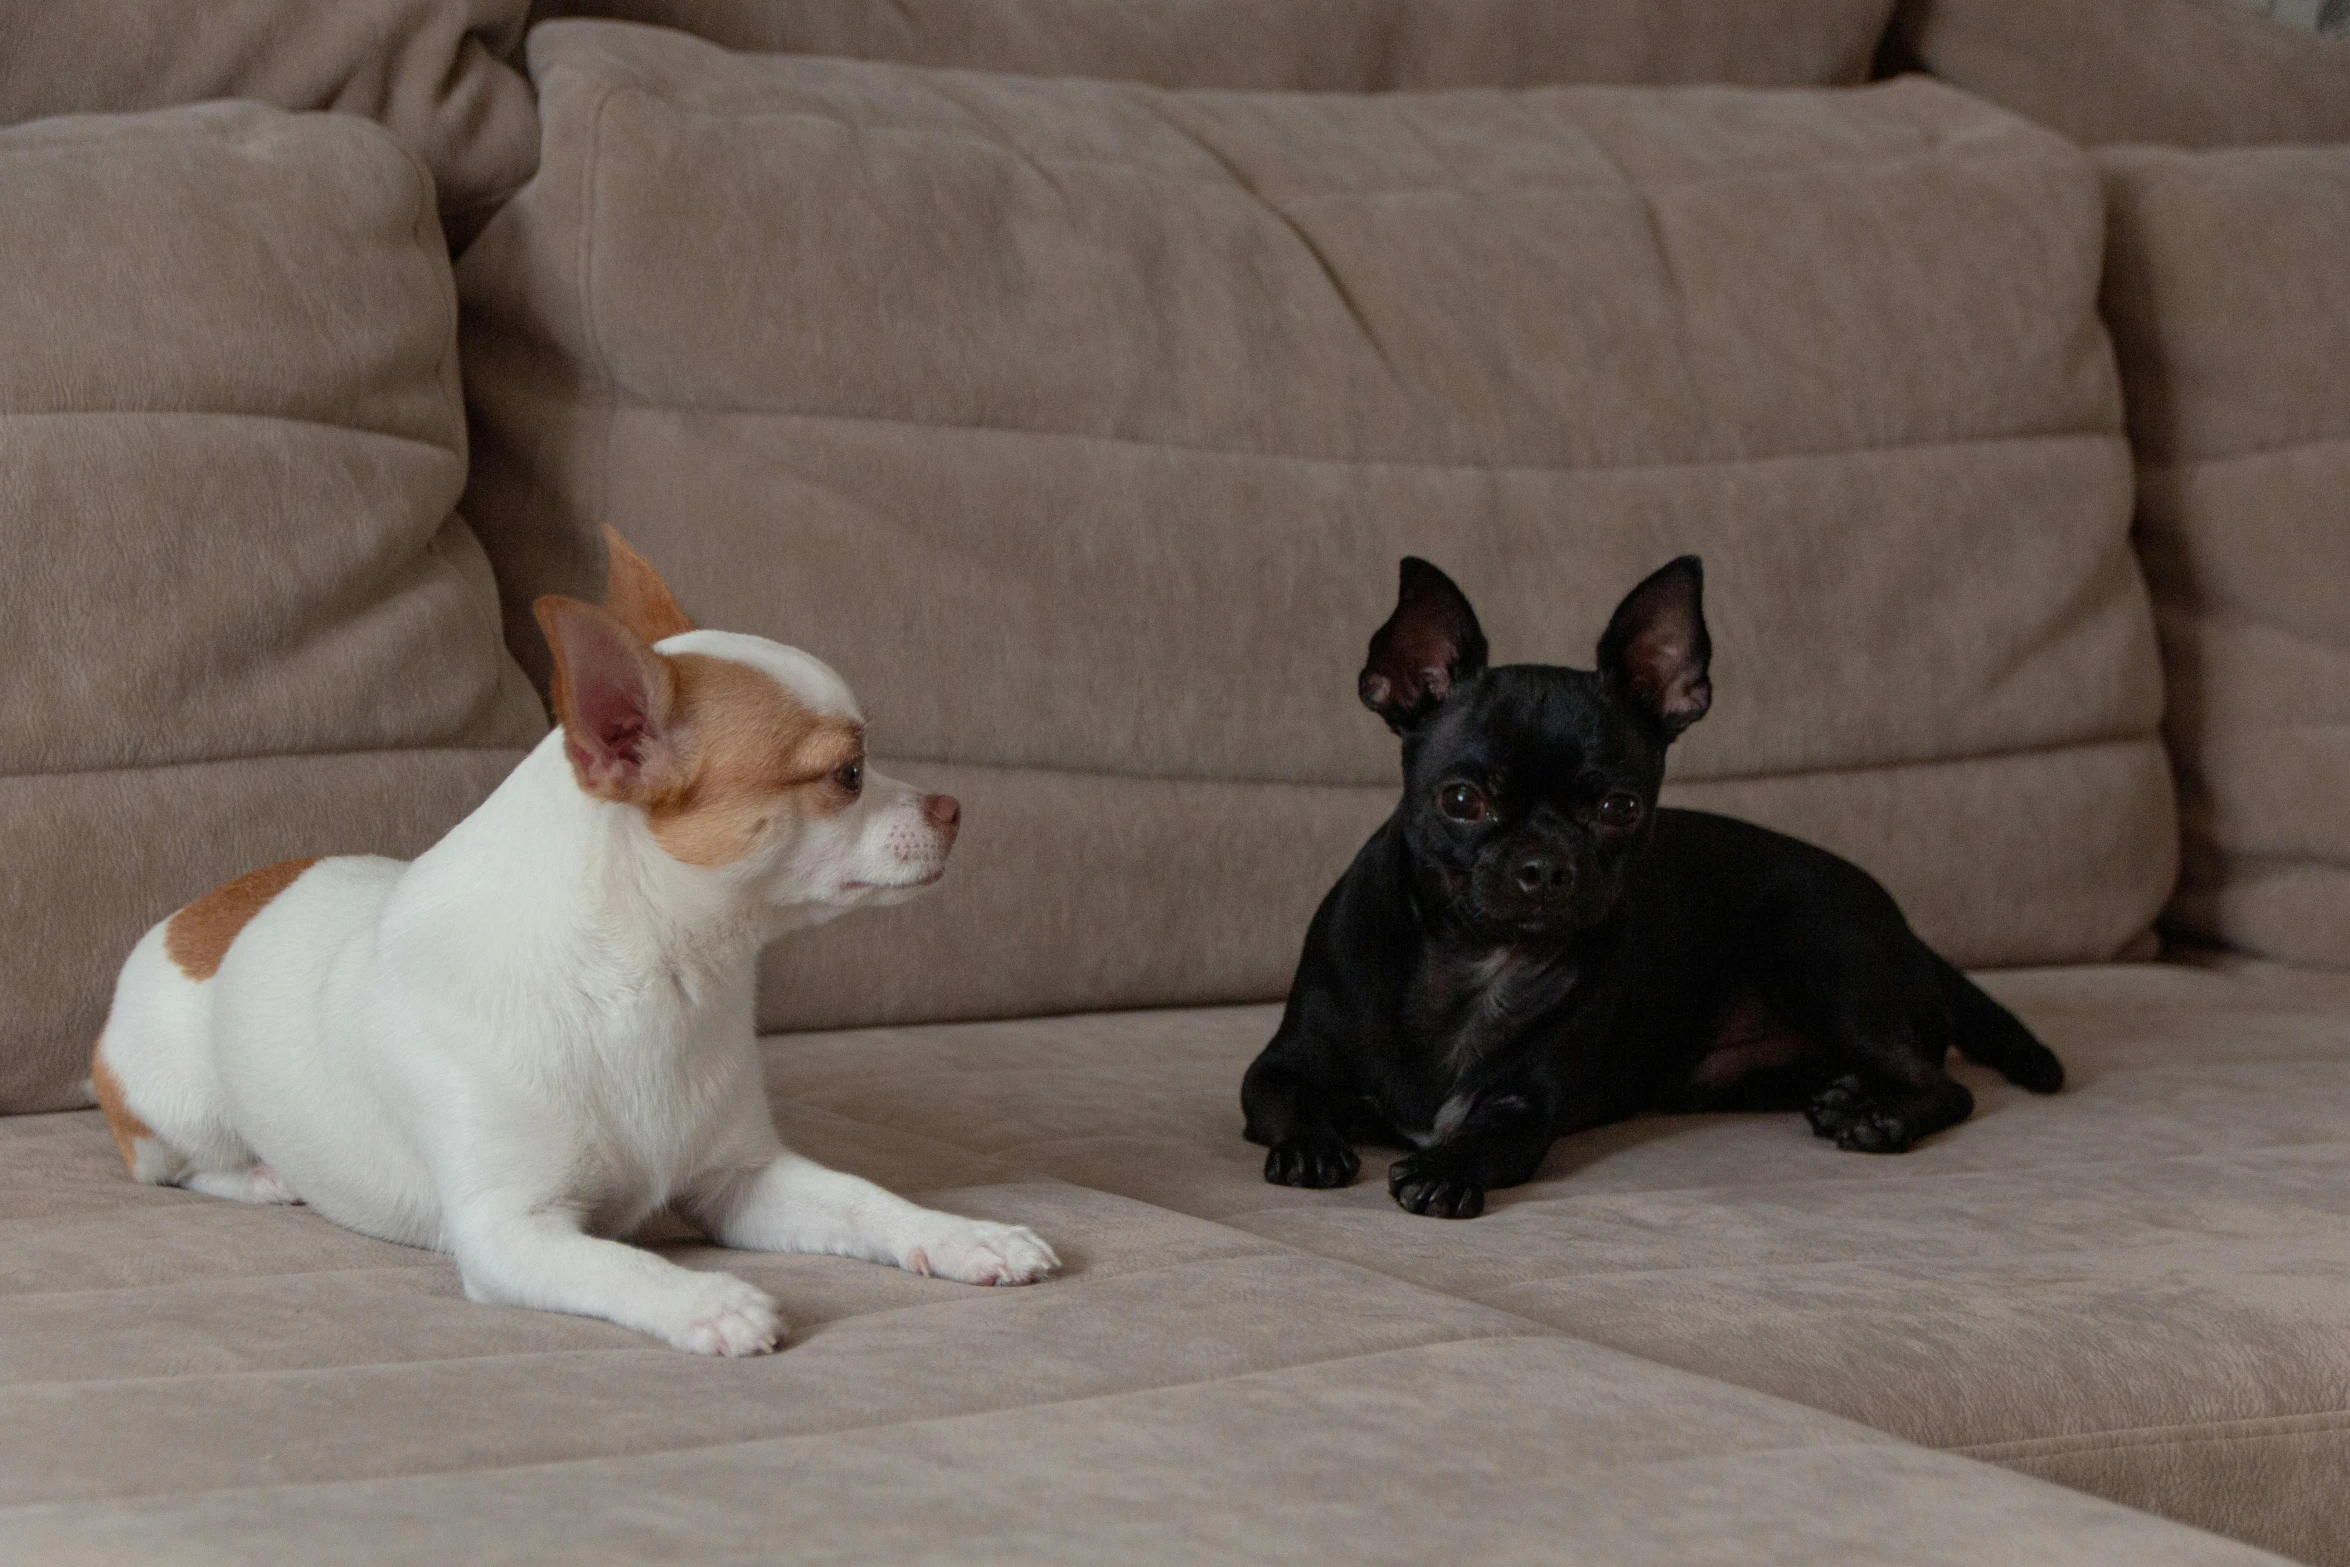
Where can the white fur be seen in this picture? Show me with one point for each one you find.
(534, 1036)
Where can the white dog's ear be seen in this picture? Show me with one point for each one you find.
(636, 595)
(615, 698)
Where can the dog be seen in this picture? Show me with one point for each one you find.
(540, 1032)
(1529, 947)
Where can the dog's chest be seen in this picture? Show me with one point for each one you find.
(647, 1112)
(1464, 1007)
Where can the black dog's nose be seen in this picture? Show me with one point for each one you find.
(1538, 874)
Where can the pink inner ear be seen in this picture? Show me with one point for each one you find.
(616, 720)
(1664, 672)
(618, 699)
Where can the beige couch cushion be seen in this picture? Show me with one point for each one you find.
(1324, 45)
(2229, 296)
(1081, 426)
(245, 623)
(2140, 1288)
(2195, 73)
(433, 71)
(183, 1378)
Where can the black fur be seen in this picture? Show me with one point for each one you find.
(1530, 947)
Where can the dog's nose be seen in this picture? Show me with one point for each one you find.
(1538, 874)
(942, 809)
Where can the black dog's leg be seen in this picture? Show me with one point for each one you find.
(1501, 1143)
(1878, 1010)
(1289, 1110)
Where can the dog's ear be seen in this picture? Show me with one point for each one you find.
(614, 697)
(1656, 651)
(1429, 645)
(635, 594)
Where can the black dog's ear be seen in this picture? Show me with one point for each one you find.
(1429, 645)
(1656, 650)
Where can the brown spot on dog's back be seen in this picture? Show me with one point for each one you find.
(127, 1128)
(755, 751)
(198, 937)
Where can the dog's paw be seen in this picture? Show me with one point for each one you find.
(1421, 1184)
(1317, 1159)
(722, 1315)
(1845, 1112)
(256, 1183)
(977, 1252)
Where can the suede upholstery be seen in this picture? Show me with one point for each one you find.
(1311, 45)
(433, 72)
(1080, 426)
(2191, 73)
(2089, 1287)
(2230, 303)
(247, 623)
(2141, 1286)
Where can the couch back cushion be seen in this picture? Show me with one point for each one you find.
(2190, 73)
(434, 72)
(2228, 289)
(1081, 426)
(244, 622)
(1307, 45)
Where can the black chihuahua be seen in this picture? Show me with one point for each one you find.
(1530, 947)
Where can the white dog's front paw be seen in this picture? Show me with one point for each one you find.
(977, 1252)
(721, 1315)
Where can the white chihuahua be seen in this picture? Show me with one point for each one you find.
(540, 1032)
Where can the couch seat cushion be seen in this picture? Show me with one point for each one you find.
(182, 1378)
(2140, 1287)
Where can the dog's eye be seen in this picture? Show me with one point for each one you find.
(850, 776)
(1619, 811)
(1461, 802)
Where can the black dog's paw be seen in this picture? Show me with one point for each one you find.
(1845, 1112)
(1420, 1184)
(1315, 1159)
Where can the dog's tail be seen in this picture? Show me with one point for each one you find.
(1988, 1033)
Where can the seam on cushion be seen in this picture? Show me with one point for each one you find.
(300, 421)
(515, 751)
(1887, 1443)
(1531, 1330)
(1235, 1219)
(1936, 1266)
(2128, 740)
(1247, 187)
(2250, 1428)
(1884, 1441)
(2183, 464)
(2044, 148)
(1463, 465)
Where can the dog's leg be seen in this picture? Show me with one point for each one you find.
(1886, 1028)
(1501, 1143)
(510, 1255)
(796, 1204)
(1288, 1111)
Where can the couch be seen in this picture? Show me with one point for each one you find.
(1070, 376)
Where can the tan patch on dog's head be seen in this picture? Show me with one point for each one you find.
(754, 752)
(127, 1128)
(198, 937)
